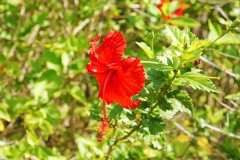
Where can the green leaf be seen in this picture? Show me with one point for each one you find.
(184, 21)
(214, 33)
(33, 119)
(146, 49)
(31, 139)
(190, 57)
(235, 97)
(53, 114)
(229, 38)
(183, 98)
(198, 44)
(77, 93)
(165, 105)
(165, 8)
(197, 81)
(179, 38)
(78, 65)
(65, 61)
(216, 116)
(156, 65)
(156, 125)
(39, 18)
(157, 77)
(53, 61)
(176, 63)
(174, 5)
(157, 140)
(46, 127)
(49, 81)
(4, 114)
(10, 20)
(153, 10)
(116, 111)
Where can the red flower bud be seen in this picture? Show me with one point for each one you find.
(197, 62)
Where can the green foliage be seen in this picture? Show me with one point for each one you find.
(49, 107)
(4, 114)
(235, 97)
(183, 98)
(146, 49)
(184, 21)
(158, 78)
(156, 125)
(197, 81)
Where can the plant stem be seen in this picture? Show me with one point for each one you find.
(129, 134)
(216, 39)
(153, 36)
(110, 149)
(149, 62)
(217, 78)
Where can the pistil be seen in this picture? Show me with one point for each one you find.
(105, 125)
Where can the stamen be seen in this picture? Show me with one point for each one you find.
(105, 125)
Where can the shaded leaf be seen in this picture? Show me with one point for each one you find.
(165, 105)
(156, 125)
(77, 93)
(157, 77)
(183, 98)
(116, 111)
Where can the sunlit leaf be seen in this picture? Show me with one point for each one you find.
(183, 98)
(184, 21)
(2, 127)
(182, 138)
(197, 81)
(146, 49)
(31, 138)
(178, 37)
(156, 65)
(4, 114)
(203, 143)
(235, 97)
(198, 44)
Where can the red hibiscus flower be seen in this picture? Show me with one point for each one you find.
(118, 79)
(176, 13)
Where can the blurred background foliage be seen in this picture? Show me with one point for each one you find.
(48, 102)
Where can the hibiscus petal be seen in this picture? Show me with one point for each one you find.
(125, 83)
(95, 66)
(112, 48)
